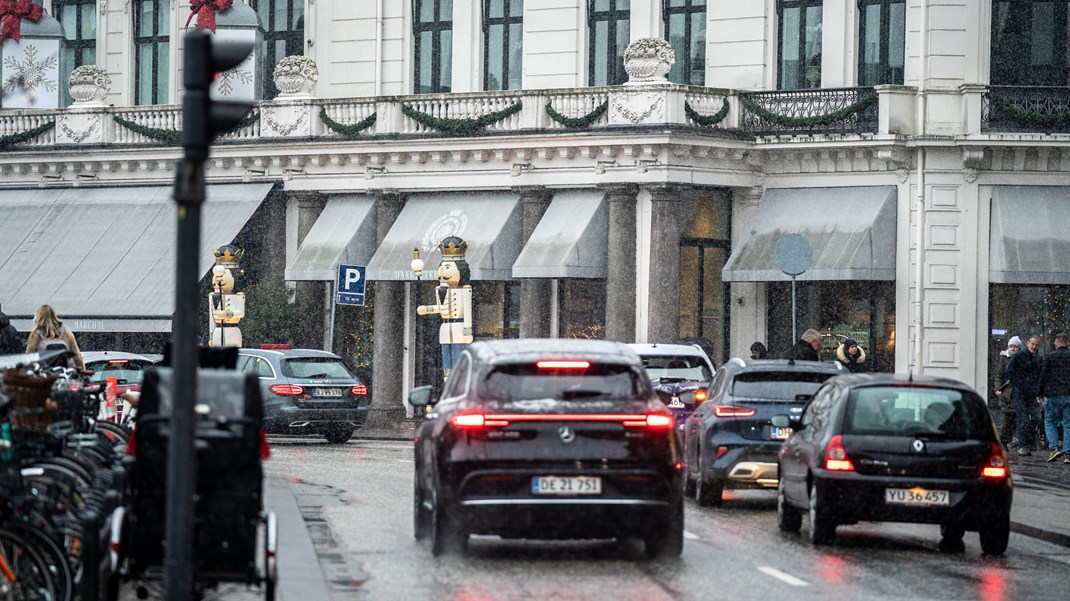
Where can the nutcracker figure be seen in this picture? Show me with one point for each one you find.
(225, 307)
(453, 302)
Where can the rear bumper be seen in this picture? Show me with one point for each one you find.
(746, 464)
(296, 420)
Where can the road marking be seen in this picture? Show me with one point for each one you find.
(690, 535)
(407, 460)
(781, 576)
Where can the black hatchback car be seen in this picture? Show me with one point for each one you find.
(729, 441)
(307, 392)
(547, 439)
(882, 447)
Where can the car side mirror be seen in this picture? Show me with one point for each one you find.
(784, 421)
(420, 396)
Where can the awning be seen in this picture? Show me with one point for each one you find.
(105, 255)
(570, 240)
(344, 233)
(488, 221)
(1029, 240)
(851, 230)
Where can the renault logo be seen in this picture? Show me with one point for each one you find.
(919, 446)
(567, 434)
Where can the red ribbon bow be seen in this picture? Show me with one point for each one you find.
(11, 15)
(206, 11)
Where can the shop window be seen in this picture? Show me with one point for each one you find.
(881, 41)
(284, 35)
(799, 50)
(1029, 43)
(685, 27)
(862, 310)
(503, 44)
(608, 25)
(496, 308)
(704, 248)
(152, 48)
(582, 308)
(432, 27)
(1024, 311)
(79, 20)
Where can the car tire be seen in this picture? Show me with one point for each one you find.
(708, 492)
(338, 436)
(421, 516)
(446, 536)
(822, 526)
(788, 518)
(951, 538)
(667, 541)
(689, 484)
(994, 540)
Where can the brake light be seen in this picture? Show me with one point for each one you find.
(287, 390)
(359, 390)
(732, 411)
(700, 395)
(559, 364)
(117, 361)
(654, 421)
(996, 467)
(475, 421)
(836, 458)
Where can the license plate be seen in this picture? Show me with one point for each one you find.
(776, 433)
(327, 392)
(916, 496)
(676, 403)
(577, 485)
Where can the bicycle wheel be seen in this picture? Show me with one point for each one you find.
(32, 579)
(55, 559)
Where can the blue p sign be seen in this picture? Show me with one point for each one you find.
(350, 285)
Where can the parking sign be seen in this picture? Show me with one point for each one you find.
(350, 285)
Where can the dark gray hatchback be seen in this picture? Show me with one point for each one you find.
(307, 392)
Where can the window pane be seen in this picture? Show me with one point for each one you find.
(445, 61)
(282, 14)
(870, 46)
(623, 4)
(897, 38)
(698, 49)
(68, 17)
(144, 74)
(163, 17)
(445, 10)
(263, 10)
(789, 48)
(677, 3)
(145, 18)
(678, 40)
(516, 8)
(813, 46)
(496, 8)
(164, 53)
(298, 12)
(600, 52)
(426, 10)
(623, 36)
(1043, 36)
(495, 50)
(89, 22)
(516, 56)
(423, 63)
(601, 4)
(89, 56)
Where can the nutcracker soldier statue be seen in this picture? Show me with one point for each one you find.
(225, 307)
(453, 302)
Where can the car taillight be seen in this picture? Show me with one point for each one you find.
(287, 390)
(996, 467)
(359, 390)
(475, 421)
(732, 411)
(563, 364)
(836, 458)
(118, 361)
(654, 421)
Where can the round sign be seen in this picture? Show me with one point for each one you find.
(793, 254)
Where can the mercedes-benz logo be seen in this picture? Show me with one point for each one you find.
(567, 434)
(919, 446)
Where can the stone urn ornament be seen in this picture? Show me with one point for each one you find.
(89, 85)
(648, 60)
(296, 76)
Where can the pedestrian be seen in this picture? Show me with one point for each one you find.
(1004, 392)
(49, 332)
(1023, 371)
(806, 349)
(852, 356)
(1055, 385)
(10, 341)
(758, 351)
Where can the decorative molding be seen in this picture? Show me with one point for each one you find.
(79, 136)
(287, 129)
(972, 158)
(902, 175)
(896, 155)
(647, 102)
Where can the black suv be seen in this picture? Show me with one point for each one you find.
(729, 442)
(547, 439)
(884, 447)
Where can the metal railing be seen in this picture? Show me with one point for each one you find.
(1038, 109)
(803, 112)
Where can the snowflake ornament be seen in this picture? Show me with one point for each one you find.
(227, 79)
(30, 75)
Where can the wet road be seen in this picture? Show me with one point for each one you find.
(359, 496)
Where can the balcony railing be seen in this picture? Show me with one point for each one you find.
(1039, 109)
(820, 111)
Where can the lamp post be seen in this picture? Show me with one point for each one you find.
(417, 263)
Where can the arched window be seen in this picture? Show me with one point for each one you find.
(685, 27)
(284, 35)
(503, 44)
(432, 27)
(608, 24)
(1029, 43)
(799, 48)
(881, 41)
(152, 48)
(79, 20)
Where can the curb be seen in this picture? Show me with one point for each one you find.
(299, 572)
(1058, 538)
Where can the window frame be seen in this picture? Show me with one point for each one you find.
(802, 5)
(614, 17)
(157, 39)
(291, 35)
(437, 28)
(1060, 46)
(884, 68)
(505, 21)
(689, 10)
(77, 45)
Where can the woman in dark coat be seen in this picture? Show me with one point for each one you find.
(852, 356)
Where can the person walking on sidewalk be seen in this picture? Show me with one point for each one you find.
(1004, 392)
(807, 348)
(1023, 371)
(1055, 385)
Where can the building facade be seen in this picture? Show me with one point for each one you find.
(919, 147)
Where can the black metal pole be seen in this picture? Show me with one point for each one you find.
(181, 460)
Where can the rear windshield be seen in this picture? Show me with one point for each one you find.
(683, 367)
(132, 372)
(529, 382)
(777, 385)
(916, 412)
(315, 368)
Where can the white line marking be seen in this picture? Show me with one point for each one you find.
(690, 535)
(407, 460)
(781, 576)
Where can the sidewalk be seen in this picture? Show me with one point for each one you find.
(1041, 506)
(300, 575)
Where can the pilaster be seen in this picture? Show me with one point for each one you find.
(535, 293)
(387, 408)
(663, 319)
(620, 264)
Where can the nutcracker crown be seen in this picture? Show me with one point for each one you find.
(228, 256)
(453, 248)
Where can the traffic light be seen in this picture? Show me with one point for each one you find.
(202, 117)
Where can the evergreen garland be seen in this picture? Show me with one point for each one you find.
(459, 126)
(1028, 116)
(346, 130)
(584, 121)
(25, 136)
(172, 136)
(838, 115)
(706, 120)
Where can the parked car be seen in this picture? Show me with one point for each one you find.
(728, 440)
(307, 392)
(882, 447)
(676, 369)
(127, 368)
(547, 439)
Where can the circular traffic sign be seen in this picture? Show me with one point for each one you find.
(793, 254)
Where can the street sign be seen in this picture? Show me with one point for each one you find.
(350, 285)
(793, 254)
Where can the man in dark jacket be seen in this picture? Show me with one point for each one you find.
(1023, 372)
(10, 341)
(806, 349)
(1055, 384)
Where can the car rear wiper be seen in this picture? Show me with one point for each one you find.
(581, 394)
(314, 376)
(937, 435)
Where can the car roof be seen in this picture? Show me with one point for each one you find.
(748, 365)
(532, 349)
(89, 356)
(287, 353)
(655, 348)
(903, 380)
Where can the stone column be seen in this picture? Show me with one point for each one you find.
(535, 293)
(387, 407)
(309, 295)
(620, 263)
(663, 322)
